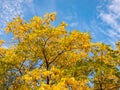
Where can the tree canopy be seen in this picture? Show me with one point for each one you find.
(45, 57)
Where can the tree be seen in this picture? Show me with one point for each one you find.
(45, 57)
(104, 67)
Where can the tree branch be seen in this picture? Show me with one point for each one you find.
(115, 87)
(56, 57)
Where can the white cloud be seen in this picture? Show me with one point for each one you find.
(70, 16)
(74, 24)
(110, 16)
(9, 9)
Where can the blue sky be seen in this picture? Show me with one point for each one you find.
(100, 17)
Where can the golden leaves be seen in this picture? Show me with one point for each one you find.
(61, 54)
(18, 27)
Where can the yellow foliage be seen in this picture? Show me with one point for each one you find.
(67, 58)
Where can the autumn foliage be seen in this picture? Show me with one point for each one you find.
(45, 57)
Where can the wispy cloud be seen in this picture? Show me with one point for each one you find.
(10, 9)
(110, 16)
(74, 24)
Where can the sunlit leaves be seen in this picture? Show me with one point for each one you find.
(45, 57)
